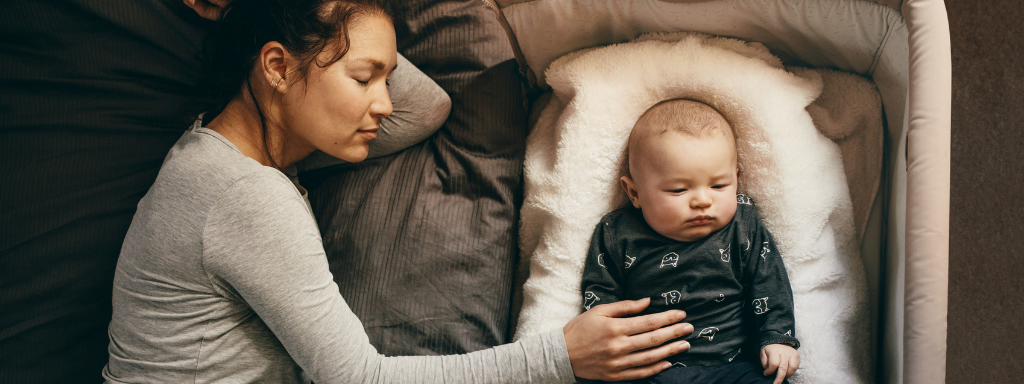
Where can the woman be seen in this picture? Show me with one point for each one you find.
(222, 276)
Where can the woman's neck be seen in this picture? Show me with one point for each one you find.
(240, 124)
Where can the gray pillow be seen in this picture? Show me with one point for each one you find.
(422, 243)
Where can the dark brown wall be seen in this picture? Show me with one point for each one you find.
(986, 245)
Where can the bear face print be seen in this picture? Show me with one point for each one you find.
(670, 259)
(589, 298)
(761, 306)
(672, 297)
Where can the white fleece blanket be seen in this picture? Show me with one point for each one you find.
(575, 154)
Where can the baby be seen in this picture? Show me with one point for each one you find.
(691, 242)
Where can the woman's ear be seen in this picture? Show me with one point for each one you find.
(631, 192)
(274, 62)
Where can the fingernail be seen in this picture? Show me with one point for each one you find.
(666, 365)
(644, 300)
(681, 315)
(683, 346)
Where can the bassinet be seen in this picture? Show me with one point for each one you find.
(905, 52)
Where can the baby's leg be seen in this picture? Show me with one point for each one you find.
(737, 372)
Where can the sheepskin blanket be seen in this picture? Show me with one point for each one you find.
(575, 155)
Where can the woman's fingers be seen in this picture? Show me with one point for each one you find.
(660, 336)
(603, 347)
(654, 355)
(621, 308)
(208, 9)
(647, 323)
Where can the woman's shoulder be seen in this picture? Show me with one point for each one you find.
(204, 170)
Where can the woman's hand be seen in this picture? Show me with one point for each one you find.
(208, 9)
(603, 347)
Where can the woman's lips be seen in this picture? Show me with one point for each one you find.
(369, 134)
(700, 220)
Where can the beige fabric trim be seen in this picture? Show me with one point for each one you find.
(895, 4)
(927, 226)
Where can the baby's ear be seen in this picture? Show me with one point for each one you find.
(631, 192)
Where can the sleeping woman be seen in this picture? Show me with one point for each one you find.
(222, 275)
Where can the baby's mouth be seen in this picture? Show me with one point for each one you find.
(700, 220)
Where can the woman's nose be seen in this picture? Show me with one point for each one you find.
(381, 106)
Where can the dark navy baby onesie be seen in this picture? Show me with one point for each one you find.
(732, 284)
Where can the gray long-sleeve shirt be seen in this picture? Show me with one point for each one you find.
(223, 278)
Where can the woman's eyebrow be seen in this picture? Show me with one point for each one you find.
(377, 63)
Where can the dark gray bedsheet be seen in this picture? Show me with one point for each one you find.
(423, 242)
(89, 106)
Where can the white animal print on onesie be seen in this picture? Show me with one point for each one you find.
(761, 306)
(589, 299)
(670, 259)
(672, 297)
(743, 199)
(708, 332)
(629, 261)
(600, 259)
(726, 253)
(764, 250)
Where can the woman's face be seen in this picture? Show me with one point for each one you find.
(337, 109)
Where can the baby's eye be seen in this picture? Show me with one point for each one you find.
(678, 190)
(718, 187)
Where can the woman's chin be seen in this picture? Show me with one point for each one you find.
(355, 155)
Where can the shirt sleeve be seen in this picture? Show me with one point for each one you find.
(419, 108)
(603, 271)
(771, 297)
(262, 244)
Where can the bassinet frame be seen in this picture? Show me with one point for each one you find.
(907, 247)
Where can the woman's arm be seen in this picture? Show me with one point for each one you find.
(420, 106)
(261, 243)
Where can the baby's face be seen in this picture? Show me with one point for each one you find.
(685, 186)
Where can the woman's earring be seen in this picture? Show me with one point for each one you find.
(274, 84)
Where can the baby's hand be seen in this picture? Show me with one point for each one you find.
(779, 357)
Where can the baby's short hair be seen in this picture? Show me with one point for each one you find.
(684, 116)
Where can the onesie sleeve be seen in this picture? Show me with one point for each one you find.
(771, 297)
(604, 269)
(261, 246)
(419, 108)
